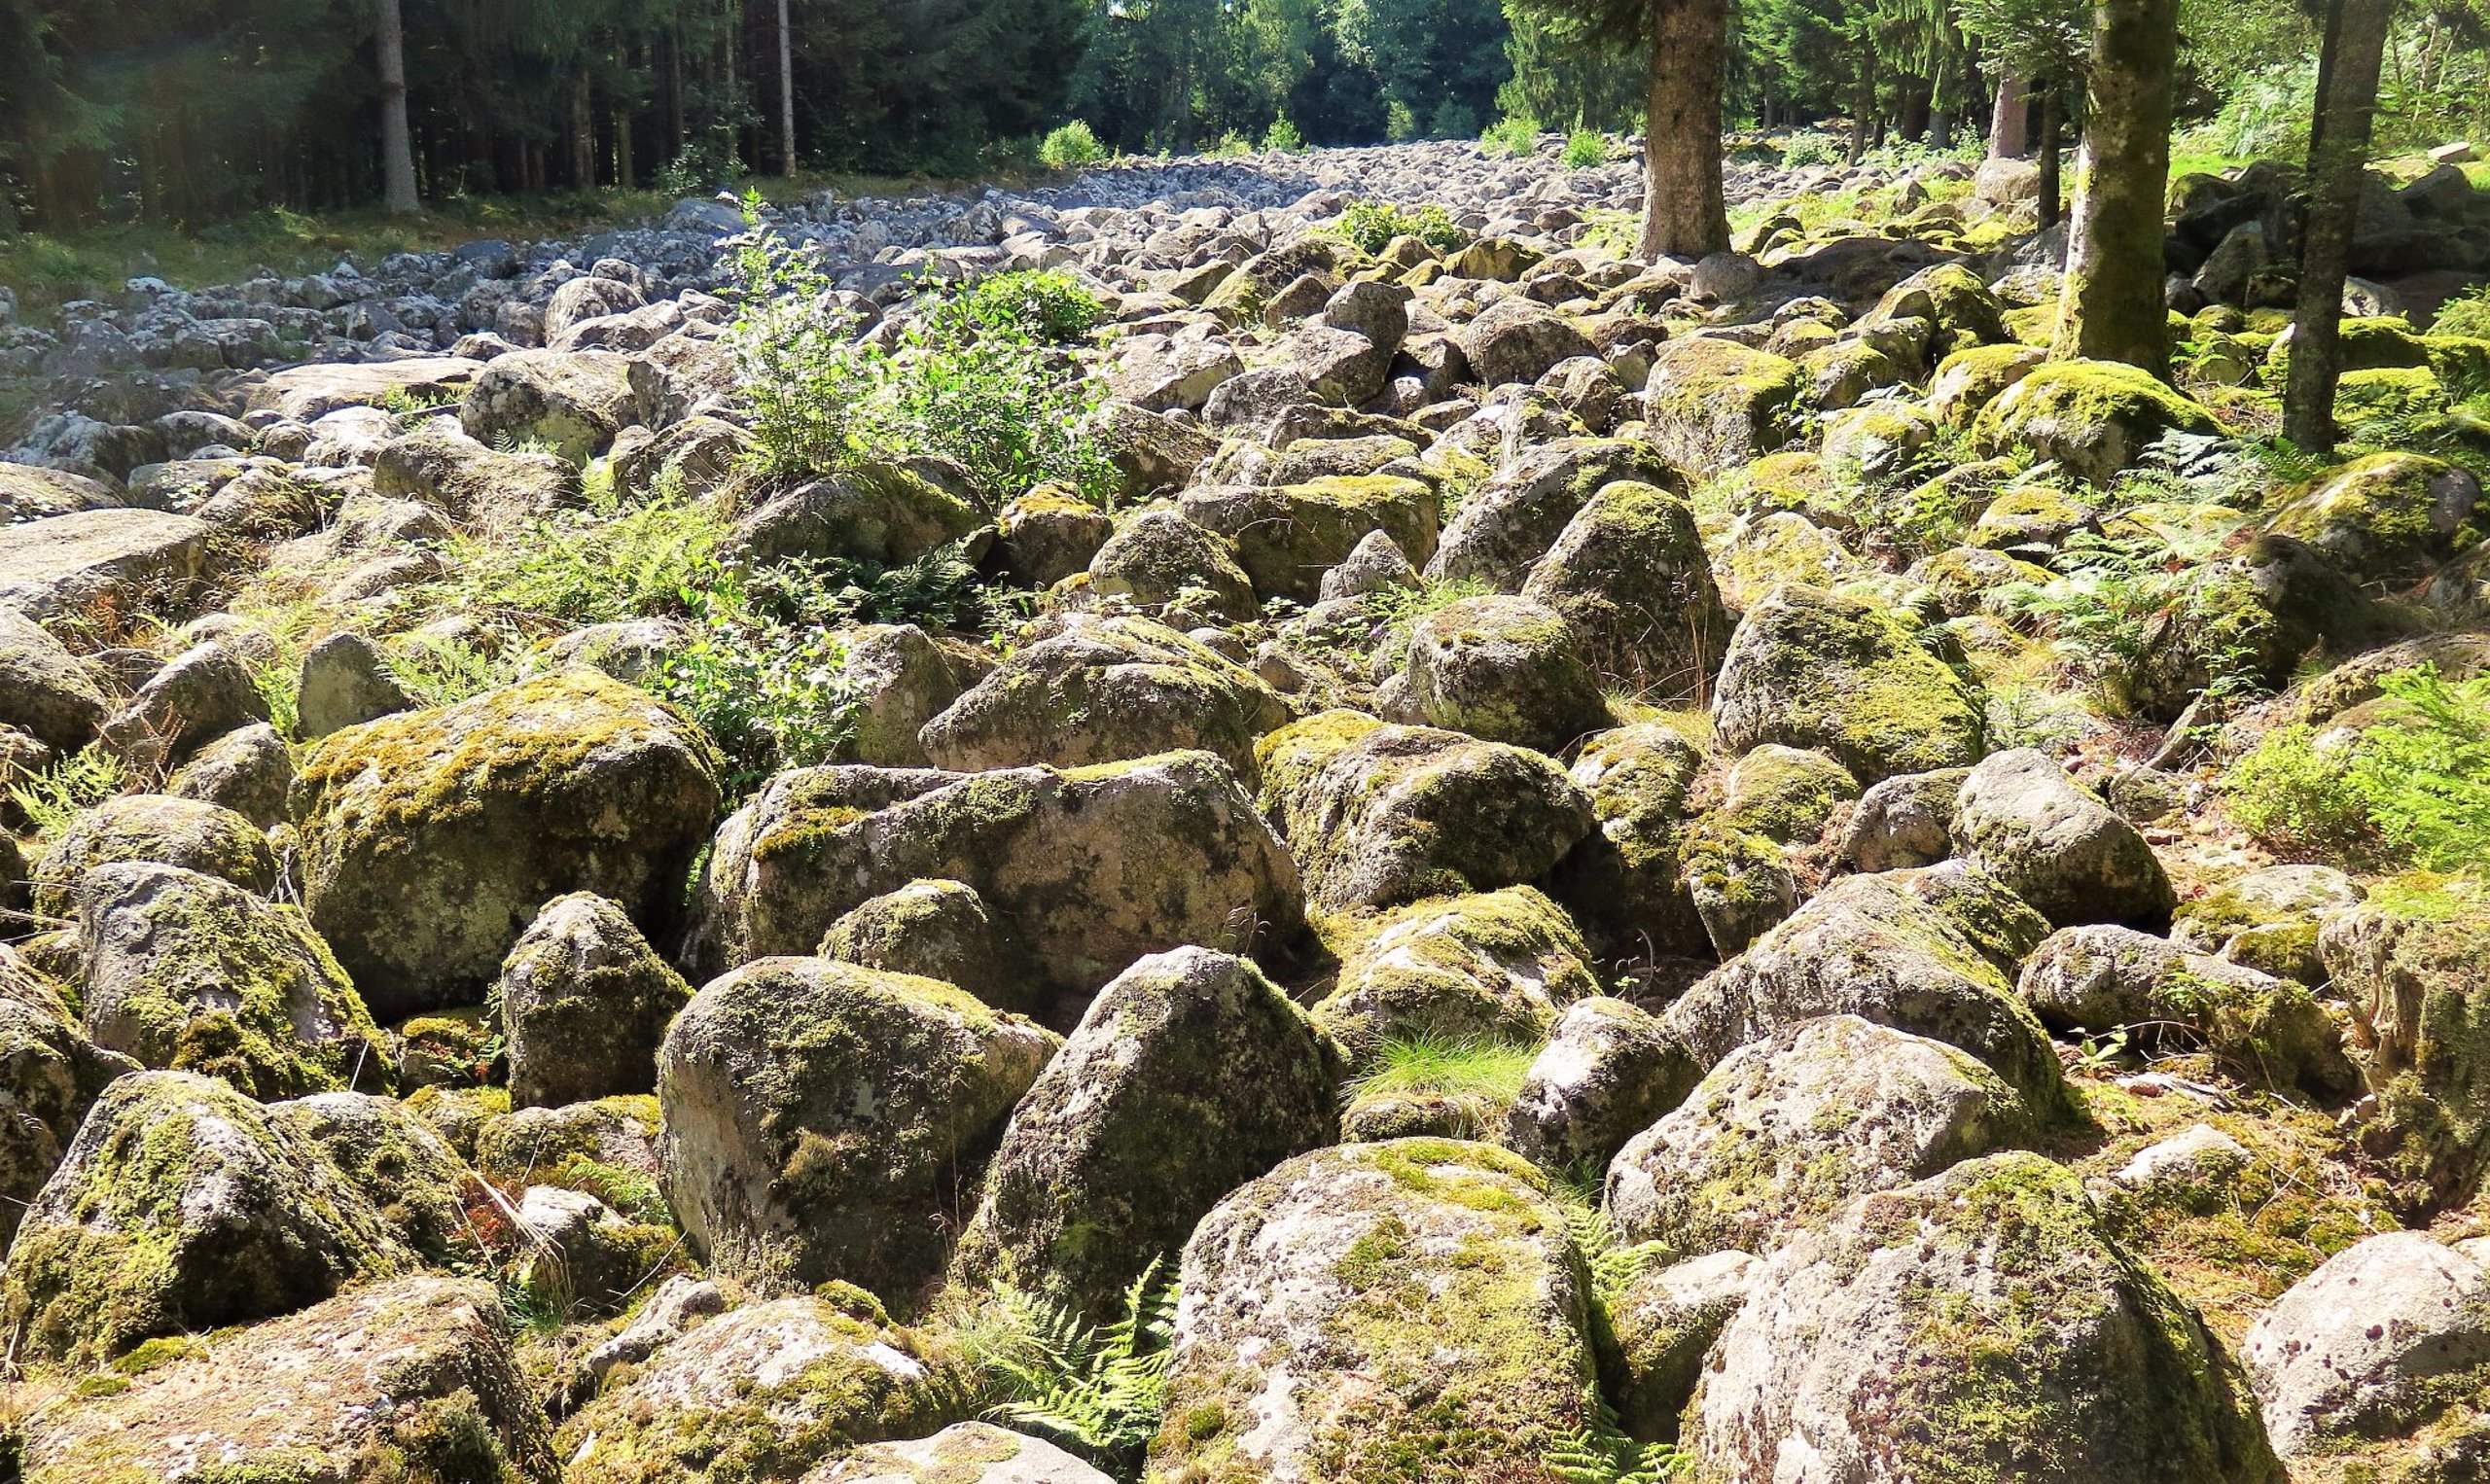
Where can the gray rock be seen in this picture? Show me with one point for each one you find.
(937, 930)
(1905, 821)
(248, 770)
(345, 682)
(963, 1453)
(2370, 1343)
(585, 1003)
(2021, 819)
(45, 691)
(1609, 1071)
(1504, 669)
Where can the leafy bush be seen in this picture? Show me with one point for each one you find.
(1370, 226)
(1510, 137)
(1585, 149)
(1232, 145)
(1073, 147)
(1281, 138)
(2297, 799)
(1047, 306)
(2466, 314)
(1096, 1391)
(771, 696)
(1813, 147)
(2414, 788)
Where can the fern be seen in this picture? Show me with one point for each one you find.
(1098, 1392)
(49, 797)
(1600, 1453)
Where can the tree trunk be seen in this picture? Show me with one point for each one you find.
(2111, 307)
(2010, 123)
(582, 134)
(1683, 214)
(2357, 39)
(2052, 125)
(397, 148)
(786, 93)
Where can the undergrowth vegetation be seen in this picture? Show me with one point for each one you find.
(2413, 788)
(1096, 1391)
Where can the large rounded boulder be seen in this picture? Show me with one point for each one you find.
(1810, 669)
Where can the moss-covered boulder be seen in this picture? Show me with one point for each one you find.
(1629, 573)
(1905, 821)
(763, 1391)
(871, 512)
(184, 970)
(160, 829)
(411, 1381)
(1494, 965)
(1100, 690)
(818, 1117)
(1509, 521)
(903, 679)
(937, 930)
(1712, 403)
(2267, 919)
(1839, 375)
(1379, 815)
(1625, 880)
(1286, 537)
(430, 841)
(2414, 965)
(2023, 820)
(1516, 339)
(585, 1002)
(2260, 1028)
(1087, 869)
(2386, 516)
(2092, 416)
(437, 463)
(1932, 952)
(397, 1163)
(1982, 1324)
(1610, 1069)
(1504, 669)
(1810, 669)
(1159, 559)
(1753, 555)
(609, 1145)
(1377, 1312)
(2029, 518)
(1741, 882)
(181, 1206)
(1789, 1130)
(1662, 1326)
(1050, 534)
(572, 402)
(1785, 793)
(49, 1075)
(46, 691)
(1191, 1075)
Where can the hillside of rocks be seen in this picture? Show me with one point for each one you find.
(1271, 819)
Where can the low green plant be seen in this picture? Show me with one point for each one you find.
(1585, 149)
(279, 681)
(2411, 790)
(1511, 136)
(1281, 138)
(2467, 314)
(1098, 1392)
(1598, 1451)
(1046, 306)
(1457, 1067)
(770, 695)
(1813, 147)
(1073, 146)
(50, 796)
(1230, 146)
(2126, 592)
(445, 669)
(1370, 226)
(577, 567)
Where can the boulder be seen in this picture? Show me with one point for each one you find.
(2386, 517)
(1190, 1075)
(441, 466)
(2094, 418)
(1515, 340)
(571, 402)
(1665, 1322)
(1983, 1321)
(963, 1453)
(1510, 522)
(1159, 559)
(345, 682)
(1626, 881)
(202, 693)
(577, 1143)
(160, 830)
(902, 680)
(395, 1162)
(107, 560)
(2413, 973)
(248, 771)
(1629, 574)
(585, 1003)
(1713, 404)
(32, 492)
(1609, 1071)
(936, 930)
(1487, 967)
(2023, 820)
(2383, 1337)
(1503, 669)
(1785, 795)
(1048, 535)
(819, 1115)
(431, 839)
(46, 691)
(1380, 815)
(49, 1075)
(1365, 1306)
(874, 511)
(1904, 821)
(1810, 669)
(1287, 537)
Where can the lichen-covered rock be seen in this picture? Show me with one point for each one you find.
(410, 1380)
(430, 841)
(2023, 820)
(345, 682)
(1626, 881)
(1714, 404)
(1158, 558)
(2099, 978)
(765, 1392)
(2385, 516)
(1087, 869)
(2383, 1337)
(871, 512)
(1504, 669)
(2267, 919)
(1374, 1311)
(901, 679)
(45, 691)
(963, 1453)
(1287, 537)
(397, 1163)
(249, 771)
(444, 466)
(572, 402)
(49, 1075)
(1664, 1324)
(1741, 882)
(1495, 966)
(1978, 1325)
(1515, 340)
(1380, 815)
(1102, 690)
(1608, 1071)
(1932, 952)
(1510, 521)
(160, 830)
(2414, 972)
(181, 1206)
(1049, 534)
(186, 971)
(1811, 669)
(936, 930)
(1786, 793)
(585, 1002)
(817, 1116)
(1629, 574)
(2092, 416)
(1787, 1131)
(577, 1143)
(1191, 1075)
(202, 693)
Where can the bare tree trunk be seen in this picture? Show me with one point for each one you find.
(397, 147)
(2052, 125)
(2009, 126)
(2112, 306)
(786, 93)
(582, 134)
(1683, 214)
(2356, 43)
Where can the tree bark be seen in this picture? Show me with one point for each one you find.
(2345, 112)
(396, 146)
(2053, 127)
(786, 93)
(2008, 123)
(1683, 214)
(582, 134)
(2112, 306)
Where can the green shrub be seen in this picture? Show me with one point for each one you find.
(2124, 594)
(2297, 799)
(2467, 314)
(1232, 145)
(1073, 147)
(2413, 789)
(1047, 306)
(1099, 1392)
(1281, 138)
(1370, 226)
(1585, 148)
(51, 796)
(1813, 147)
(771, 696)
(1511, 138)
